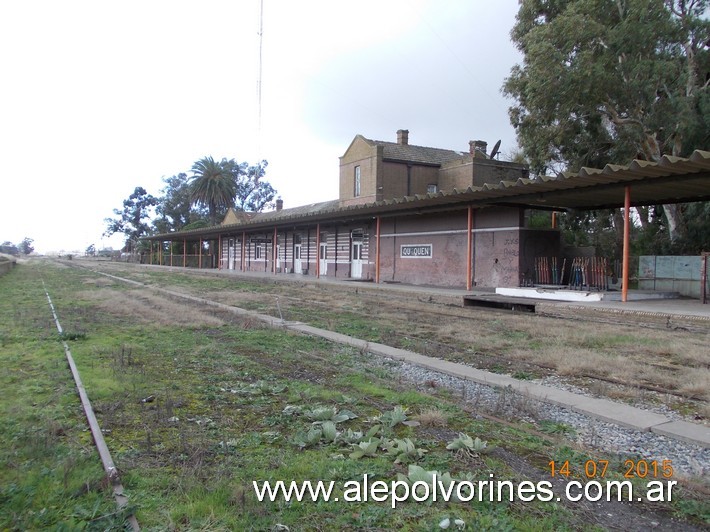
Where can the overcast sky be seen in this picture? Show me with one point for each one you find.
(98, 98)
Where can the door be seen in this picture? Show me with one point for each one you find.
(356, 262)
(230, 254)
(323, 257)
(297, 259)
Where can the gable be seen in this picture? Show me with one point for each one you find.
(360, 148)
(235, 217)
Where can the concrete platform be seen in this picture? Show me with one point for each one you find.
(580, 296)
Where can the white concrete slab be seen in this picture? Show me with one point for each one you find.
(548, 293)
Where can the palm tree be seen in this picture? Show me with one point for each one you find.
(212, 185)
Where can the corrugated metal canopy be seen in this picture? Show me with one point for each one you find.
(672, 180)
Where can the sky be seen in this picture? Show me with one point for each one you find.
(98, 98)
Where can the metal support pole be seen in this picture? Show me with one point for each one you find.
(199, 255)
(244, 249)
(184, 252)
(377, 250)
(704, 278)
(318, 251)
(273, 252)
(627, 228)
(469, 250)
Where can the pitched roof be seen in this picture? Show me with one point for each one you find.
(295, 212)
(416, 154)
(670, 180)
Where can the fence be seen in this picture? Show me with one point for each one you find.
(680, 274)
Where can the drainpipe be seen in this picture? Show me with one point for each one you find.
(377, 251)
(409, 180)
(318, 251)
(625, 264)
(469, 247)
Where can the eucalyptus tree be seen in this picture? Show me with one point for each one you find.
(254, 194)
(175, 208)
(605, 81)
(133, 219)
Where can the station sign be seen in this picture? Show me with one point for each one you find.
(416, 251)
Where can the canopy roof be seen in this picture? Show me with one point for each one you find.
(671, 180)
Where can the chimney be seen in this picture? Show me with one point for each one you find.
(478, 148)
(403, 136)
(279, 204)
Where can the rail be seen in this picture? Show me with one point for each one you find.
(101, 447)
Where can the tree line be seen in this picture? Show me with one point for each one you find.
(190, 202)
(25, 247)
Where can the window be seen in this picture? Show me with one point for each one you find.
(357, 181)
(257, 251)
(432, 189)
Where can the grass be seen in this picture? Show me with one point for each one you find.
(196, 408)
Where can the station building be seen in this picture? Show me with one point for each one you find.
(426, 216)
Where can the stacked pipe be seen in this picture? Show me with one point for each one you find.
(589, 273)
(549, 270)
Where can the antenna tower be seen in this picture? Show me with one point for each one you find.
(258, 80)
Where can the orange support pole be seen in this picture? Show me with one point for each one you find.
(554, 220)
(199, 255)
(160, 254)
(627, 228)
(244, 249)
(171, 253)
(377, 251)
(151, 252)
(469, 248)
(273, 252)
(219, 252)
(184, 252)
(318, 251)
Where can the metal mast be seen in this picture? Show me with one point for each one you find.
(258, 81)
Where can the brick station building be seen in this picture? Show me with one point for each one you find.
(428, 216)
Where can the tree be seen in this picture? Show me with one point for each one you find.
(90, 251)
(604, 81)
(8, 248)
(225, 184)
(213, 186)
(25, 246)
(131, 220)
(253, 194)
(175, 207)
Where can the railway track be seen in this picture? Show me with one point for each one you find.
(402, 312)
(101, 447)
